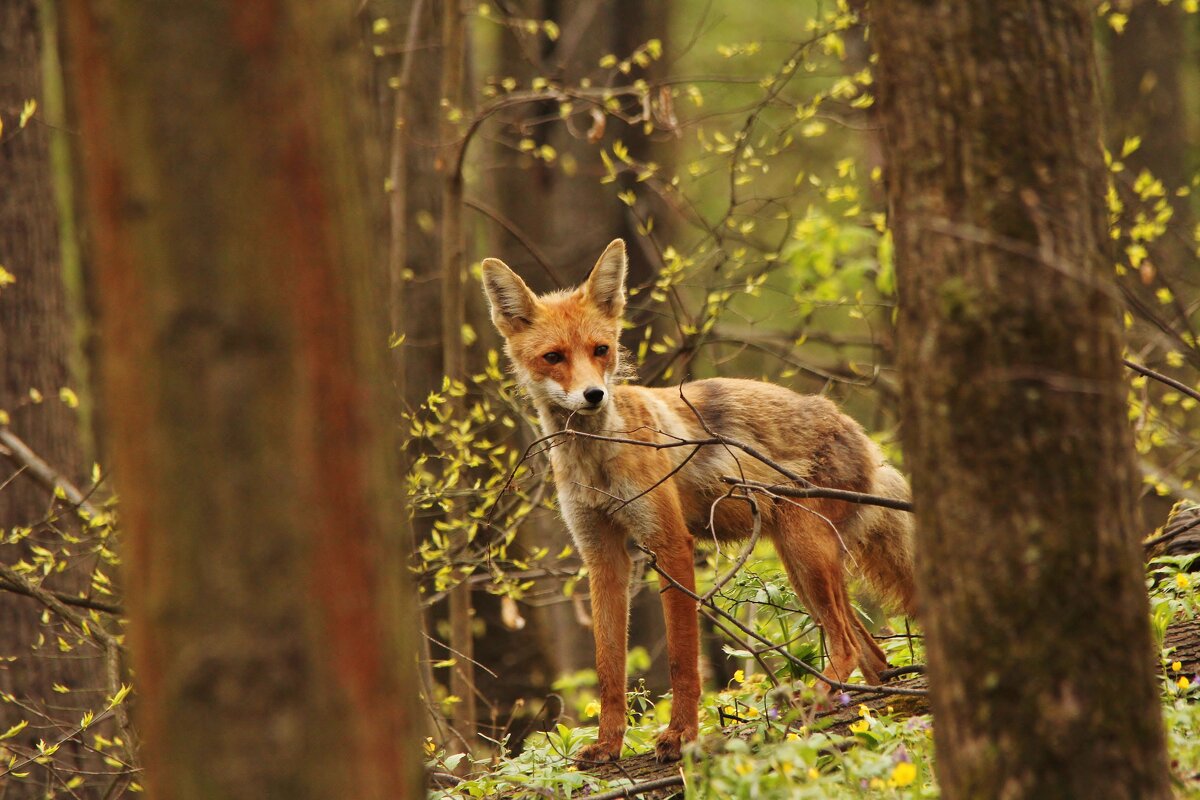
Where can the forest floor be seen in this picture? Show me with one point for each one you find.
(877, 745)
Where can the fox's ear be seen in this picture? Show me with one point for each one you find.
(513, 304)
(605, 286)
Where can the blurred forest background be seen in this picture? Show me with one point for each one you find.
(736, 147)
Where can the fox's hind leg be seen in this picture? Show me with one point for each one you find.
(811, 552)
(872, 652)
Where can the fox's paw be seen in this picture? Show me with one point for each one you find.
(824, 697)
(669, 744)
(600, 753)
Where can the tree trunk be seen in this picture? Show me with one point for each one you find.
(453, 245)
(1014, 414)
(420, 237)
(37, 353)
(226, 191)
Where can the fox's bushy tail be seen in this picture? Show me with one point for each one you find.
(884, 550)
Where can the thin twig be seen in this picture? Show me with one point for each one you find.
(1158, 376)
(741, 560)
(639, 788)
(511, 227)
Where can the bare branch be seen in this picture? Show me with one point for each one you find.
(20, 454)
(821, 492)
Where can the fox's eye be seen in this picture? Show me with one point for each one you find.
(601, 350)
(553, 357)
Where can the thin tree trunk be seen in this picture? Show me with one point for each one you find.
(1014, 415)
(462, 639)
(401, 115)
(243, 343)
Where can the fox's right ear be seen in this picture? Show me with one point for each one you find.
(513, 304)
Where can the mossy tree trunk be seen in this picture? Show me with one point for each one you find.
(1032, 593)
(243, 344)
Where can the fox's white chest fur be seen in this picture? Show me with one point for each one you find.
(593, 492)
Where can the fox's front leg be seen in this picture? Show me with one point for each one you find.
(674, 552)
(609, 567)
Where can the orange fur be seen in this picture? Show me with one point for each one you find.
(602, 486)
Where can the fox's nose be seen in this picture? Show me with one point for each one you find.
(593, 394)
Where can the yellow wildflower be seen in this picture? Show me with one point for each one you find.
(593, 708)
(1176, 666)
(903, 774)
(1182, 580)
(860, 726)
(739, 676)
(1183, 683)
(813, 774)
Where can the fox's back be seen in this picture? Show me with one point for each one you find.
(807, 434)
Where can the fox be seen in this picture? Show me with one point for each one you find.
(565, 353)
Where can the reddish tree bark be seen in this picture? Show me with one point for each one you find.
(243, 345)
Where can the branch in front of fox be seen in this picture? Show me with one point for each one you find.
(661, 480)
(819, 492)
(704, 425)
(549, 441)
(847, 687)
(714, 439)
(746, 550)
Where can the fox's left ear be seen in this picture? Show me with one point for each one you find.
(513, 305)
(605, 285)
